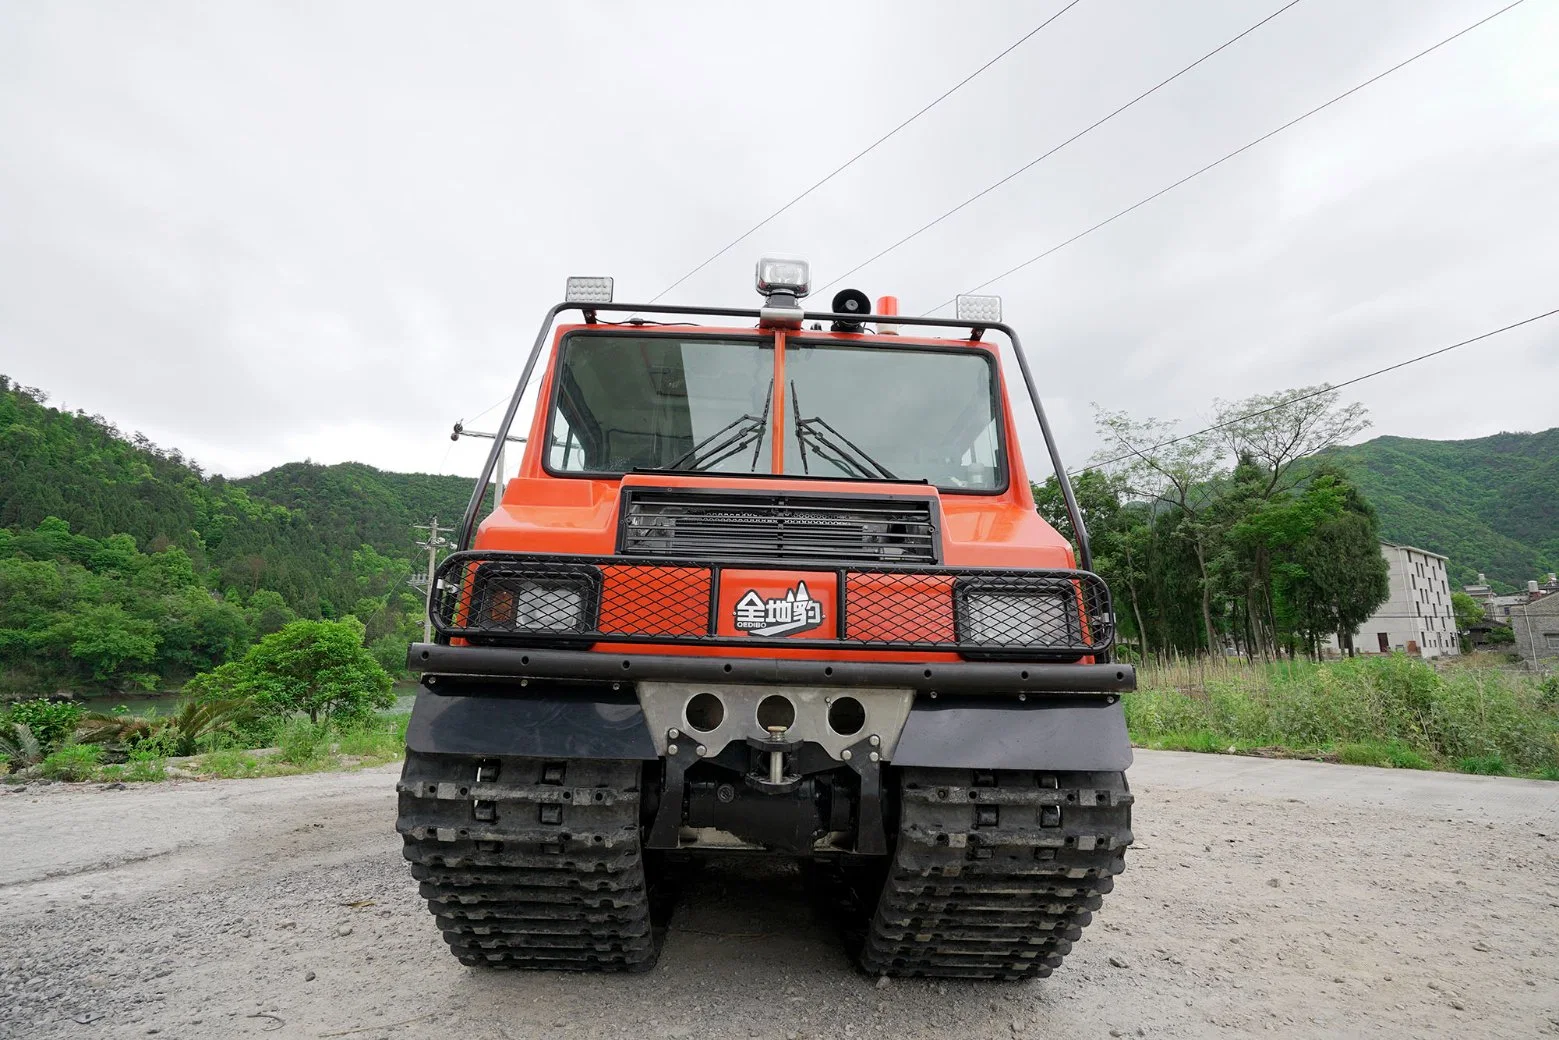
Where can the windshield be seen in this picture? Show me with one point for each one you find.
(662, 402)
(881, 413)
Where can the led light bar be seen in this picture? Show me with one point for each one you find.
(978, 308)
(587, 289)
(783, 274)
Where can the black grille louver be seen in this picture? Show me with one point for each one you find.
(739, 526)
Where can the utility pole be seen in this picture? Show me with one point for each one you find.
(498, 476)
(435, 541)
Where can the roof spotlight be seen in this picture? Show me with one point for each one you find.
(850, 301)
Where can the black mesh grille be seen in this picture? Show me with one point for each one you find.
(733, 525)
(534, 600)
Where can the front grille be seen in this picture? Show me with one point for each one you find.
(736, 526)
(495, 597)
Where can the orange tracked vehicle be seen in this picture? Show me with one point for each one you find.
(774, 585)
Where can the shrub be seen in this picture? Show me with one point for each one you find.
(382, 736)
(20, 748)
(73, 762)
(51, 722)
(303, 743)
(1394, 710)
(1484, 765)
(319, 668)
(229, 764)
(146, 770)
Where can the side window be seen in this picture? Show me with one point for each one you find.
(563, 447)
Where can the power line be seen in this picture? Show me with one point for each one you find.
(1243, 148)
(865, 151)
(1035, 162)
(1317, 393)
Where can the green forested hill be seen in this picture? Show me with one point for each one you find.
(292, 529)
(1490, 504)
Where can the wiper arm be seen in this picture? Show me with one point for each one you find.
(726, 441)
(830, 445)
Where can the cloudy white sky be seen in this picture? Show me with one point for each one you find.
(262, 232)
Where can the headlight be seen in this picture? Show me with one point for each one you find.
(1020, 618)
(555, 601)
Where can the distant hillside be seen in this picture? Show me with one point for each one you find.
(1490, 504)
(292, 529)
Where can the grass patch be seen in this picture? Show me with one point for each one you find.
(1392, 754)
(303, 743)
(1380, 711)
(382, 737)
(146, 770)
(230, 764)
(72, 763)
(1484, 765)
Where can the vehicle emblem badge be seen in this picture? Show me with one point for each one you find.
(796, 612)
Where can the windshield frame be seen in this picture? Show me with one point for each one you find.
(781, 420)
(761, 337)
(966, 348)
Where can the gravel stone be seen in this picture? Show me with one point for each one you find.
(745, 956)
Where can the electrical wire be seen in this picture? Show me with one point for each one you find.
(1036, 161)
(865, 151)
(1242, 148)
(1317, 393)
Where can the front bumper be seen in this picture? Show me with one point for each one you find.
(940, 677)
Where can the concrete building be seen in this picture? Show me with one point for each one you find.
(1536, 626)
(1497, 607)
(1417, 616)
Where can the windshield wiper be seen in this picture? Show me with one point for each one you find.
(725, 442)
(832, 446)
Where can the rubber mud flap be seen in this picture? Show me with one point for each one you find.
(1044, 732)
(544, 725)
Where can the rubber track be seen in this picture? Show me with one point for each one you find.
(996, 874)
(536, 865)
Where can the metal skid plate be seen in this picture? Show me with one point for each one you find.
(665, 705)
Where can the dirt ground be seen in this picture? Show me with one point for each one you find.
(1261, 897)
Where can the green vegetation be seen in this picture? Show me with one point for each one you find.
(1386, 711)
(71, 762)
(311, 690)
(1213, 541)
(319, 668)
(1488, 504)
(123, 566)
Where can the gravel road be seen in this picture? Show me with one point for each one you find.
(1261, 897)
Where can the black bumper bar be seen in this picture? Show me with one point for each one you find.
(939, 676)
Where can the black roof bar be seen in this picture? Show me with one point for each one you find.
(589, 311)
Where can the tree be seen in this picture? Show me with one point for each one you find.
(1277, 430)
(1177, 471)
(267, 612)
(1469, 612)
(317, 667)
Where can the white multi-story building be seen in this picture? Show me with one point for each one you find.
(1417, 617)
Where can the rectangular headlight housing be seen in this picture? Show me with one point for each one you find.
(1037, 616)
(977, 308)
(550, 601)
(788, 274)
(587, 289)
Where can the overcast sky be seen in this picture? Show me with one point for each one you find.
(263, 232)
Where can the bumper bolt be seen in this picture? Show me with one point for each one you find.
(876, 757)
(671, 749)
(702, 751)
(874, 740)
(845, 754)
(673, 734)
